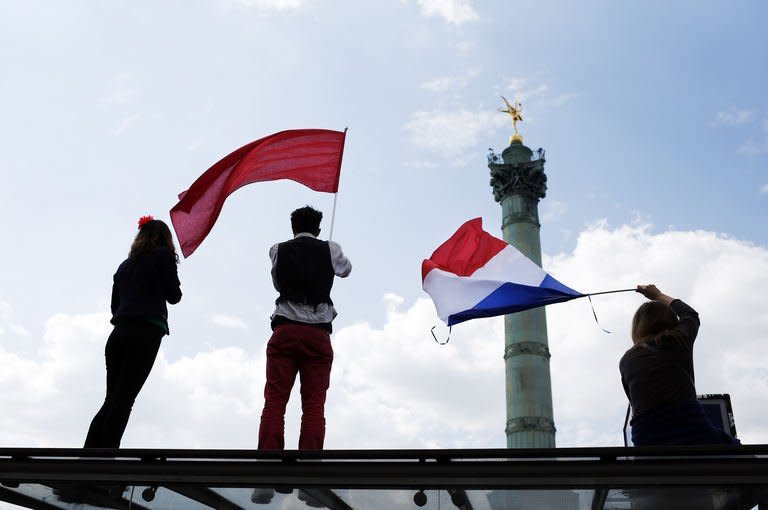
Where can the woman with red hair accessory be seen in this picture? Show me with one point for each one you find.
(142, 285)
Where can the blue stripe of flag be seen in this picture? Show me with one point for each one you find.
(513, 297)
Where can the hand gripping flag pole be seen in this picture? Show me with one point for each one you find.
(474, 274)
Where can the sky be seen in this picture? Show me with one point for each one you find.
(654, 120)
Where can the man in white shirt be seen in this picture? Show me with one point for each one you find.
(303, 270)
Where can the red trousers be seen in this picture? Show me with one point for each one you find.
(292, 349)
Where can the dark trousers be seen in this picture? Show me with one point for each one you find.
(304, 350)
(130, 353)
(679, 424)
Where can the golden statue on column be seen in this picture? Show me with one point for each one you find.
(514, 111)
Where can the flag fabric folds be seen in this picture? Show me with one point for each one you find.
(474, 274)
(311, 157)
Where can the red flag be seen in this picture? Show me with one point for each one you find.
(308, 156)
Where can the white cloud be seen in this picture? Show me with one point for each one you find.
(449, 83)
(394, 387)
(452, 132)
(47, 399)
(416, 393)
(764, 189)
(444, 84)
(228, 321)
(552, 210)
(8, 323)
(733, 117)
(520, 89)
(527, 91)
(452, 11)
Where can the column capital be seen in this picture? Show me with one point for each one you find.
(526, 178)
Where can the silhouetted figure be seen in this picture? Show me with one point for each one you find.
(303, 271)
(657, 375)
(143, 284)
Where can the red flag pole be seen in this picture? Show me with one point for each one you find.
(336, 195)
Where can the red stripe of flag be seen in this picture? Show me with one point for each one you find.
(468, 249)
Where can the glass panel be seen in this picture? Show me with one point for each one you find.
(704, 498)
(533, 499)
(161, 498)
(63, 497)
(617, 500)
(92, 497)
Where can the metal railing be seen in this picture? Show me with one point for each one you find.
(496, 158)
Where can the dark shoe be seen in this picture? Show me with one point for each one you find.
(71, 494)
(309, 499)
(262, 496)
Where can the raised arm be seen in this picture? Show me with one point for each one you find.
(654, 294)
(688, 323)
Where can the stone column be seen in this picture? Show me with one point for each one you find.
(519, 182)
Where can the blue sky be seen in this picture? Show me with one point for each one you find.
(653, 116)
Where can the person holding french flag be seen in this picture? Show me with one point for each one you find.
(658, 378)
(474, 274)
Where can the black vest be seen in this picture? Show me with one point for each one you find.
(304, 271)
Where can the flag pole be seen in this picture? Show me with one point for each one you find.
(336, 195)
(609, 292)
(333, 215)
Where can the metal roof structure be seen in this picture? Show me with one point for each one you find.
(713, 477)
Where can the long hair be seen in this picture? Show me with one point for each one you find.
(653, 322)
(152, 234)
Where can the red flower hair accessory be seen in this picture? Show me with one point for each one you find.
(144, 220)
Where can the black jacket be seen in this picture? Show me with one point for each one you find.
(143, 285)
(655, 376)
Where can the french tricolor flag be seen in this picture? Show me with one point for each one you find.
(474, 274)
